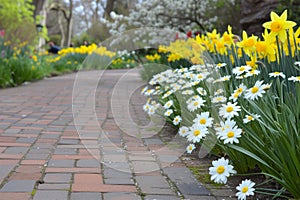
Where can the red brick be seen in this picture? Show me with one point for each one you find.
(27, 128)
(14, 196)
(71, 157)
(8, 162)
(33, 162)
(28, 169)
(73, 170)
(88, 179)
(14, 144)
(10, 156)
(4, 139)
(102, 188)
(25, 176)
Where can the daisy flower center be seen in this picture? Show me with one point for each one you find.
(230, 134)
(298, 78)
(196, 132)
(254, 89)
(202, 121)
(236, 95)
(220, 169)
(250, 118)
(277, 73)
(196, 103)
(242, 69)
(229, 109)
(245, 189)
(276, 26)
(190, 148)
(240, 90)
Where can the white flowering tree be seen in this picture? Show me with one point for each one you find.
(170, 15)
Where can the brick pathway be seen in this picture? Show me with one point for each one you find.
(57, 146)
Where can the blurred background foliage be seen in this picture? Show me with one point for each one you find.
(71, 22)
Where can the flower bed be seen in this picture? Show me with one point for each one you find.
(245, 108)
(21, 64)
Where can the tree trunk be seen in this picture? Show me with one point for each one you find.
(108, 8)
(41, 10)
(254, 13)
(61, 28)
(70, 23)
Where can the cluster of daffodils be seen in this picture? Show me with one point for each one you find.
(87, 50)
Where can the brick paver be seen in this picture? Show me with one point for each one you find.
(93, 142)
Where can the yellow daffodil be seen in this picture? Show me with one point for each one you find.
(173, 57)
(153, 57)
(252, 62)
(278, 25)
(34, 58)
(228, 36)
(266, 48)
(248, 43)
(221, 47)
(214, 35)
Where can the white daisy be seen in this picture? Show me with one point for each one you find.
(183, 131)
(144, 90)
(168, 104)
(231, 135)
(294, 78)
(187, 92)
(218, 92)
(190, 148)
(225, 78)
(201, 91)
(149, 92)
(241, 88)
(234, 96)
(203, 119)
(168, 112)
(297, 63)
(195, 102)
(245, 189)
(177, 120)
(219, 99)
(151, 110)
(146, 107)
(220, 65)
(249, 118)
(199, 77)
(228, 124)
(229, 110)
(242, 69)
(221, 170)
(196, 133)
(256, 91)
(240, 77)
(237, 92)
(181, 81)
(252, 73)
(168, 93)
(277, 74)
